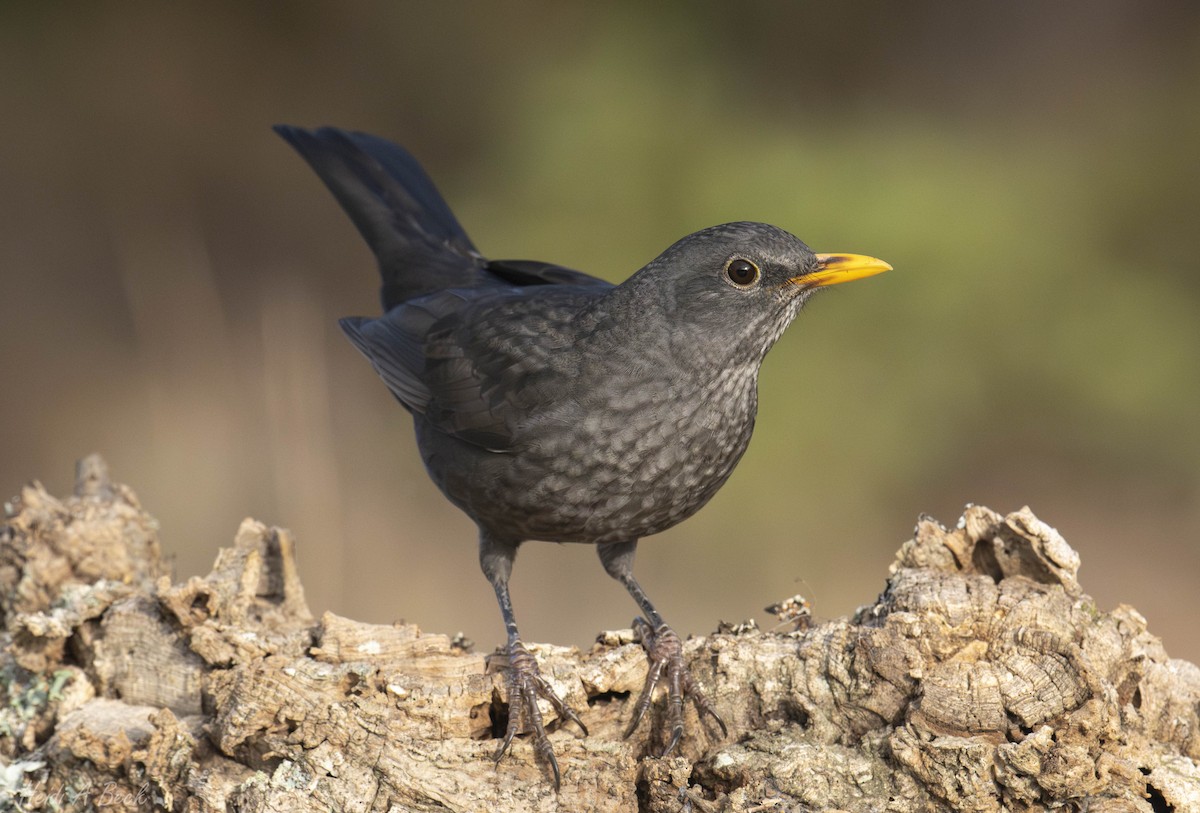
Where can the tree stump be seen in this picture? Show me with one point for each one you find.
(981, 679)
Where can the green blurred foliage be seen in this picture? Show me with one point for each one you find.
(172, 275)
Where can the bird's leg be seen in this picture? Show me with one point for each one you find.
(525, 681)
(663, 650)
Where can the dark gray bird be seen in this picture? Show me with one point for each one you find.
(552, 405)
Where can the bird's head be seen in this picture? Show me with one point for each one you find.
(739, 285)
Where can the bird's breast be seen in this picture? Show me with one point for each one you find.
(619, 463)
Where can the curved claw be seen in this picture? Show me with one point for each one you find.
(508, 738)
(676, 734)
(703, 706)
(643, 702)
(716, 718)
(564, 711)
(567, 713)
(548, 755)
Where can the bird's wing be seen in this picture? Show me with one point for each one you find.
(473, 361)
(395, 354)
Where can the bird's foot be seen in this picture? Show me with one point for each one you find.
(665, 653)
(525, 686)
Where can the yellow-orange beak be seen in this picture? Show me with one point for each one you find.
(836, 268)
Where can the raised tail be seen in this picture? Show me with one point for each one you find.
(420, 246)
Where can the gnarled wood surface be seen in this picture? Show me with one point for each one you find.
(982, 679)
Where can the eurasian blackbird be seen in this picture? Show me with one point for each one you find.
(549, 404)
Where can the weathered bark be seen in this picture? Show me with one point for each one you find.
(981, 679)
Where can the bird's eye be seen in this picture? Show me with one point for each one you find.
(742, 273)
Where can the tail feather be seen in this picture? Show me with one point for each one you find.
(418, 242)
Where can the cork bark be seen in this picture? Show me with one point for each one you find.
(982, 678)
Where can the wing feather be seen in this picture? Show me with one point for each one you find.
(461, 357)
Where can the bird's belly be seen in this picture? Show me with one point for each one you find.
(629, 470)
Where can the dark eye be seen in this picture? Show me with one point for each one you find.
(741, 273)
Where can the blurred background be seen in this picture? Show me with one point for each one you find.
(172, 275)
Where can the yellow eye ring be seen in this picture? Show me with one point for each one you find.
(741, 273)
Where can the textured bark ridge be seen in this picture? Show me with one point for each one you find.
(981, 679)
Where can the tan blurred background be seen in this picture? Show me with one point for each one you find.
(172, 274)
